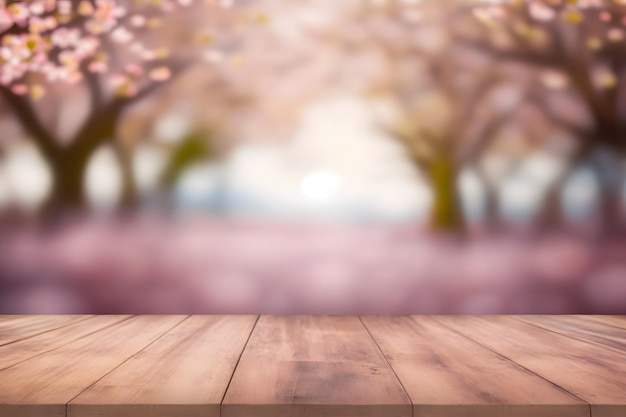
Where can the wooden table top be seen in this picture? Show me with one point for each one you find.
(310, 366)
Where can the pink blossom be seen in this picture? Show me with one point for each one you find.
(138, 21)
(51, 22)
(148, 55)
(19, 12)
(541, 12)
(123, 85)
(160, 74)
(37, 8)
(49, 5)
(69, 59)
(605, 16)
(85, 8)
(134, 69)
(64, 37)
(121, 35)
(19, 89)
(64, 7)
(38, 25)
(54, 73)
(98, 66)
(6, 20)
(87, 46)
(74, 77)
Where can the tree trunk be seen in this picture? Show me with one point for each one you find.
(128, 197)
(550, 214)
(68, 168)
(492, 218)
(610, 212)
(491, 208)
(69, 163)
(447, 213)
(609, 172)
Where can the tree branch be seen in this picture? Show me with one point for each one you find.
(93, 82)
(176, 69)
(485, 136)
(25, 111)
(548, 112)
(529, 57)
(485, 83)
(100, 126)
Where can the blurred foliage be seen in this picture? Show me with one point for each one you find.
(194, 148)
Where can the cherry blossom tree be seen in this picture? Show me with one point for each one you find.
(114, 52)
(450, 103)
(579, 48)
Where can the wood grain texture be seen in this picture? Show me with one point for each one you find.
(310, 366)
(7, 317)
(184, 373)
(15, 328)
(448, 375)
(574, 326)
(589, 371)
(615, 321)
(313, 366)
(22, 350)
(44, 384)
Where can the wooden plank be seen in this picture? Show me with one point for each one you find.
(7, 317)
(184, 373)
(448, 375)
(22, 350)
(615, 321)
(44, 384)
(574, 326)
(589, 371)
(22, 327)
(313, 366)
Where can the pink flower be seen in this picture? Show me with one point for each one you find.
(160, 74)
(19, 89)
(65, 38)
(20, 13)
(87, 46)
(54, 73)
(85, 8)
(138, 21)
(51, 22)
(6, 20)
(117, 79)
(37, 25)
(123, 85)
(98, 66)
(121, 35)
(542, 12)
(134, 69)
(69, 59)
(605, 16)
(74, 77)
(64, 7)
(49, 5)
(37, 8)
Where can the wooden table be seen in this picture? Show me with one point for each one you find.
(313, 366)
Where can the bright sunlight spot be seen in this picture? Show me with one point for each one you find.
(320, 186)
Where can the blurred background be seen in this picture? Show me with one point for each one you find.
(312, 156)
